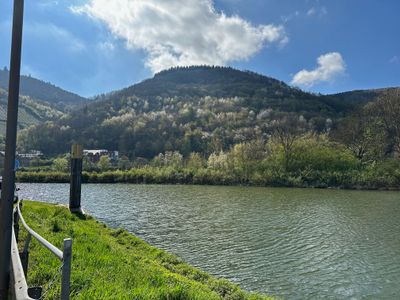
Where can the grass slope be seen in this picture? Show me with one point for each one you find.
(113, 264)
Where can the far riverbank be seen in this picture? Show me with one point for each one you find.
(360, 180)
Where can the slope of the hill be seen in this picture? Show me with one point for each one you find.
(31, 112)
(43, 91)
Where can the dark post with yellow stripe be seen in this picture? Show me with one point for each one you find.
(76, 179)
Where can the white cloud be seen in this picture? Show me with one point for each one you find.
(182, 32)
(312, 11)
(395, 60)
(44, 4)
(57, 34)
(287, 18)
(330, 66)
(317, 11)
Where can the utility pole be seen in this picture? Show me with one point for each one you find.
(8, 185)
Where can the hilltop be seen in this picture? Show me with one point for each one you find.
(224, 82)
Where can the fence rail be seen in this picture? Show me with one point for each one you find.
(19, 265)
(19, 286)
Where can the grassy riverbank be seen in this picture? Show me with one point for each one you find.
(375, 176)
(113, 264)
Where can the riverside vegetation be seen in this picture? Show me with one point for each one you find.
(215, 125)
(309, 161)
(113, 264)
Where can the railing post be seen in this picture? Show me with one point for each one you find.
(66, 269)
(16, 223)
(24, 255)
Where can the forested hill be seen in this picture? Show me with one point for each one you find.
(190, 109)
(257, 90)
(43, 91)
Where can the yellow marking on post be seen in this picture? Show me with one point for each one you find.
(77, 151)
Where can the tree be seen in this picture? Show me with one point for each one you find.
(285, 132)
(387, 108)
(169, 159)
(124, 163)
(104, 163)
(363, 134)
(61, 164)
(245, 157)
(195, 161)
(87, 164)
(218, 161)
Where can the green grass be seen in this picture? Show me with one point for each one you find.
(114, 264)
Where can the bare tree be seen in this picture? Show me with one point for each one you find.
(285, 132)
(387, 108)
(363, 134)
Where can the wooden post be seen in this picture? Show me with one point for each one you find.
(76, 179)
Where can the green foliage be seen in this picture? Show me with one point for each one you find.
(104, 163)
(316, 161)
(195, 161)
(61, 164)
(169, 159)
(317, 153)
(87, 165)
(37, 162)
(113, 264)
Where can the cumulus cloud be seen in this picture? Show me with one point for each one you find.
(182, 32)
(330, 66)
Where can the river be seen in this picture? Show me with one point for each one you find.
(291, 243)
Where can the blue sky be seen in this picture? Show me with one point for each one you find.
(96, 46)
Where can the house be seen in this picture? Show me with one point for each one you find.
(22, 159)
(94, 155)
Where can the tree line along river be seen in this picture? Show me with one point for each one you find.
(291, 243)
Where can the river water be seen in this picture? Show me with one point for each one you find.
(291, 243)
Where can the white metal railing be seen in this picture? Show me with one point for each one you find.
(19, 261)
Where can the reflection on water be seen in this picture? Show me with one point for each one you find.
(293, 243)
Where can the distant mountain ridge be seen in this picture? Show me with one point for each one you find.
(360, 96)
(43, 91)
